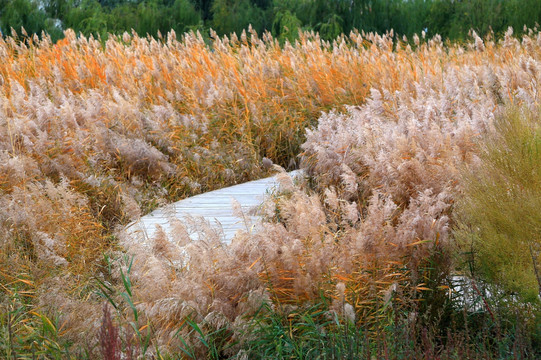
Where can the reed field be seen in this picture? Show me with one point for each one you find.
(415, 233)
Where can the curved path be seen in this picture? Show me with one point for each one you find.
(216, 207)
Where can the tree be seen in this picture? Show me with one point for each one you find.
(522, 13)
(230, 16)
(204, 8)
(184, 16)
(285, 26)
(331, 28)
(88, 18)
(22, 13)
(148, 16)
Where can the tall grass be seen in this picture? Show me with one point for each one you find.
(94, 134)
(25, 331)
(314, 333)
(498, 211)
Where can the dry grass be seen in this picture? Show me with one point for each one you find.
(93, 134)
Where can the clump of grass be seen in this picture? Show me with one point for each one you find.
(316, 332)
(498, 211)
(26, 332)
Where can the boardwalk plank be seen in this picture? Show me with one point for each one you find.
(215, 207)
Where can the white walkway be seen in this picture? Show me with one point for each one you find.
(216, 207)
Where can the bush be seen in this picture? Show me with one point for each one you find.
(498, 212)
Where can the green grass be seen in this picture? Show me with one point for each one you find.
(499, 222)
(26, 333)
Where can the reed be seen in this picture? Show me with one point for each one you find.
(95, 133)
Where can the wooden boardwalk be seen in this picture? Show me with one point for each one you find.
(215, 207)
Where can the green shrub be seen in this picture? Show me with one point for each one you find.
(499, 218)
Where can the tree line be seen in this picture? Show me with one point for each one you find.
(452, 19)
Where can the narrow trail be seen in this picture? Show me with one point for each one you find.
(215, 207)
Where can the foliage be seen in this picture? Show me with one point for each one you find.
(284, 26)
(498, 210)
(24, 331)
(24, 13)
(371, 229)
(451, 19)
(234, 16)
(95, 132)
(316, 332)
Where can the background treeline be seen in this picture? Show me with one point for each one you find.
(450, 18)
